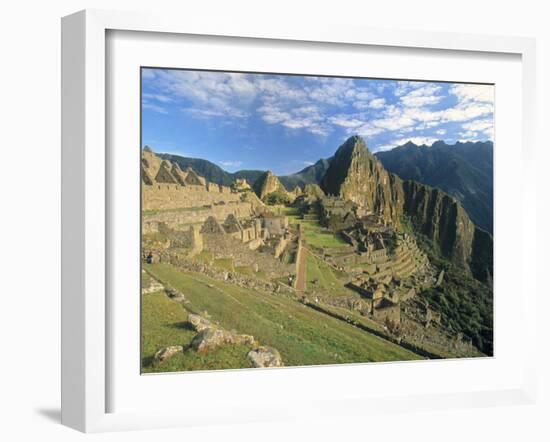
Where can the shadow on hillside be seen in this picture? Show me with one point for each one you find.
(182, 326)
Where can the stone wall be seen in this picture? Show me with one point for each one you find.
(387, 312)
(162, 196)
(190, 239)
(195, 215)
(225, 246)
(280, 246)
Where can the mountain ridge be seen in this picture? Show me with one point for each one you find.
(463, 170)
(214, 173)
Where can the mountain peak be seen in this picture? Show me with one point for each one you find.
(440, 143)
(268, 183)
(354, 174)
(353, 145)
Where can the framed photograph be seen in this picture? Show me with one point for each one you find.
(267, 222)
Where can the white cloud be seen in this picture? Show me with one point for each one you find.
(422, 96)
(475, 129)
(306, 117)
(478, 125)
(321, 105)
(419, 141)
(209, 113)
(473, 93)
(158, 97)
(377, 103)
(383, 148)
(153, 107)
(232, 164)
(346, 121)
(469, 135)
(367, 130)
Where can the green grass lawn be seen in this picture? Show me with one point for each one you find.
(292, 213)
(164, 323)
(302, 335)
(327, 279)
(316, 235)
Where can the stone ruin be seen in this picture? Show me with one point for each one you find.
(166, 186)
(241, 185)
(186, 214)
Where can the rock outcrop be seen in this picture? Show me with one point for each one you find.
(313, 191)
(166, 353)
(211, 336)
(153, 286)
(174, 294)
(214, 337)
(356, 175)
(198, 322)
(269, 183)
(263, 357)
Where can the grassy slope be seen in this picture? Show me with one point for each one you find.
(315, 234)
(303, 336)
(326, 277)
(164, 323)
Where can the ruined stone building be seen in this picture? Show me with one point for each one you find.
(275, 225)
(166, 186)
(241, 185)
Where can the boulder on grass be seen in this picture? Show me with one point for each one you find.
(208, 339)
(166, 353)
(234, 338)
(198, 322)
(212, 337)
(175, 294)
(263, 357)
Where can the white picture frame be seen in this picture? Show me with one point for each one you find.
(85, 214)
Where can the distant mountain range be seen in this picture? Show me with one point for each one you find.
(463, 170)
(310, 175)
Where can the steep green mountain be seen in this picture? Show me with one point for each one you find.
(465, 304)
(463, 170)
(357, 175)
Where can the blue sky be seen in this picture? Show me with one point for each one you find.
(285, 123)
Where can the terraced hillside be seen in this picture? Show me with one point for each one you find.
(302, 335)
